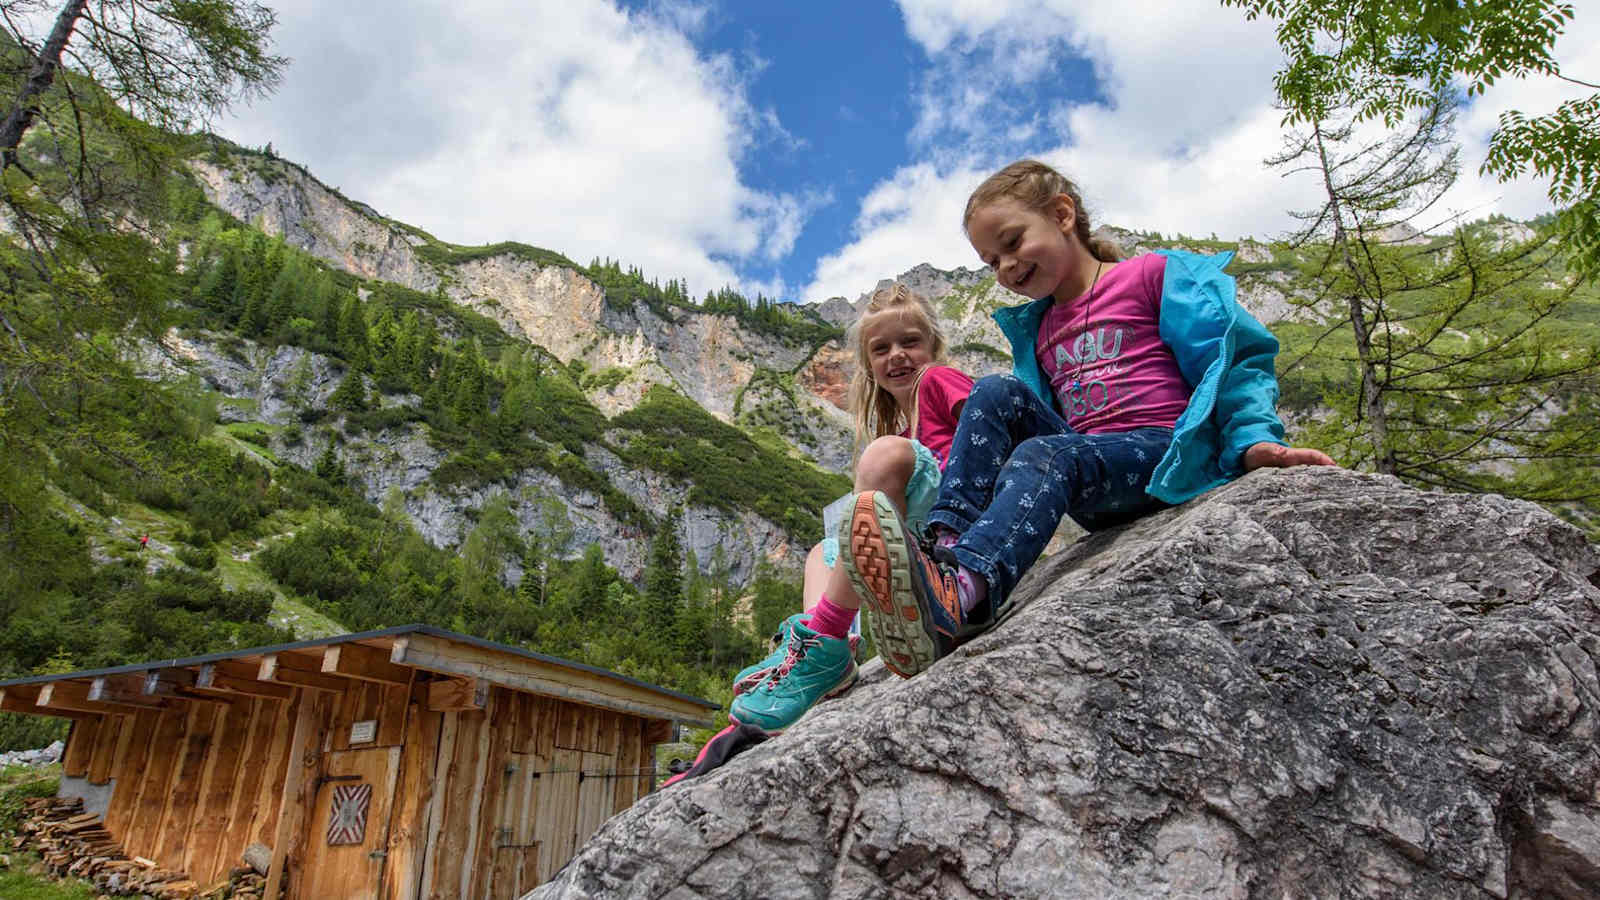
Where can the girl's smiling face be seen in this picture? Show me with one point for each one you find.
(1029, 250)
(898, 350)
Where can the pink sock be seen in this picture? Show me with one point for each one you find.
(830, 619)
(970, 588)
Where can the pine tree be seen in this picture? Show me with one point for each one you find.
(283, 296)
(1464, 367)
(594, 579)
(216, 288)
(352, 332)
(351, 394)
(470, 400)
(328, 467)
(663, 579)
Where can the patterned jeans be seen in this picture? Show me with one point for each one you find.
(1016, 468)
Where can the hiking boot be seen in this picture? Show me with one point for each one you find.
(814, 666)
(751, 676)
(911, 601)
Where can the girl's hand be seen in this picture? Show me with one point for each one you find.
(1266, 454)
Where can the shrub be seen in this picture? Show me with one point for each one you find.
(202, 559)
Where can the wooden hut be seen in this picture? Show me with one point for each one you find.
(405, 763)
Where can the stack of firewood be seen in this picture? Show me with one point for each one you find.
(75, 844)
(245, 883)
(249, 881)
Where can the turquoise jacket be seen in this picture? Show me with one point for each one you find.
(1223, 352)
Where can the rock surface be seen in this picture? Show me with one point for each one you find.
(43, 756)
(1308, 683)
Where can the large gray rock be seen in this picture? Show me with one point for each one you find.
(1309, 683)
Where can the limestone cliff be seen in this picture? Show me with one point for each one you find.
(273, 385)
(530, 294)
(1309, 683)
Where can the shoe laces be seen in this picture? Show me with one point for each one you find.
(796, 651)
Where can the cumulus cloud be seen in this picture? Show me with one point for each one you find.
(1171, 135)
(574, 126)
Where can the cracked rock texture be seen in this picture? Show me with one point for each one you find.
(1309, 683)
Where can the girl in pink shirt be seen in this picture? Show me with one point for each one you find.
(906, 405)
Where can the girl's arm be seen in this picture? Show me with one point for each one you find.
(1197, 331)
(1247, 406)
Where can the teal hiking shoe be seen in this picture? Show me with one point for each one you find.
(814, 666)
(751, 676)
(910, 601)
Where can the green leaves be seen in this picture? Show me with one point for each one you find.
(1382, 59)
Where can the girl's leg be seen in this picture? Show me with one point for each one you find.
(1000, 414)
(886, 466)
(1088, 476)
(816, 579)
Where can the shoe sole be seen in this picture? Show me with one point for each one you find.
(879, 566)
(846, 682)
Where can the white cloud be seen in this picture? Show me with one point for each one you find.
(911, 218)
(574, 126)
(1177, 146)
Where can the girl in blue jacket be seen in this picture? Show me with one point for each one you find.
(1136, 384)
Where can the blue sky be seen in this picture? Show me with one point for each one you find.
(800, 150)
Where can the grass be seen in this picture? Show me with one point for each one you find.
(287, 611)
(26, 880)
(251, 439)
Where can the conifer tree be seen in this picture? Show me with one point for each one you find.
(1377, 60)
(531, 589)
(169, 64)
(663, 578)
(329, 467)
(351, 394)
(283, 296)
(594, 579)
(1464, 369)
(328, 316)
(221, 279)
(352, 332)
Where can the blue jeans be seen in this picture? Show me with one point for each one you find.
(1016, 468)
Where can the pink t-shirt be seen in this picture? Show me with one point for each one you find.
(1102, 353)
(940, 395)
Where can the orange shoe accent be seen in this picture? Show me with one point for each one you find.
(873, 566)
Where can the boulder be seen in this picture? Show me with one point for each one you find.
(1309, 683)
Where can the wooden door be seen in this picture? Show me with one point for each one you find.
(516, 846)
(349, 826)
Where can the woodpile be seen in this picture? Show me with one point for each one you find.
(75, 844)
(249, 881)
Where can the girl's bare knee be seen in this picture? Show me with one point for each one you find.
(886, 464)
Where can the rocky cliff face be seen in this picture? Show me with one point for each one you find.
(708, 357)
(281, 199)
(1309, 683)
(272, 386)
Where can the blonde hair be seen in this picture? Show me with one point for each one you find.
(876, 412)
(1035, 185)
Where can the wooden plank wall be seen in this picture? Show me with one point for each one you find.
(199, 782)
(193, 782)
(519, 786)
(486, 803)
